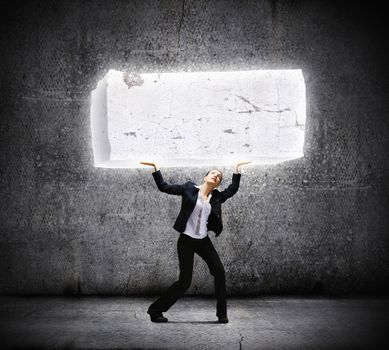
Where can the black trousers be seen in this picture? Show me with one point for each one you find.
(186, 248)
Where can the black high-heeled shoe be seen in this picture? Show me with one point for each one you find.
(223, 320)
(157, 317)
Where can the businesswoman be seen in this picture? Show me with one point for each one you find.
(200, 212)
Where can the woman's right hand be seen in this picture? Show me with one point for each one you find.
(151, 164)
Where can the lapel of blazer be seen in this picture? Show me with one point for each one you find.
(196, 195)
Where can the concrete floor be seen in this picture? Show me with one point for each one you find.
(255, 323)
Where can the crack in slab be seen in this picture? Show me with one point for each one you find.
(278, 110)
(256, 108)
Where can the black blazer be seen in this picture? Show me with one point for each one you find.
(190, 193)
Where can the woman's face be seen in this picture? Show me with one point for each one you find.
(214, 177)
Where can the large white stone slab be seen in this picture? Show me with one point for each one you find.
(198, 118)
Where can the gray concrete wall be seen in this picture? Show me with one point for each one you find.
(315, 225)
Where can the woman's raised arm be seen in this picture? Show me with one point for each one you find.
(152, 164)
(234, 186)
(237, 170)
(177, 190)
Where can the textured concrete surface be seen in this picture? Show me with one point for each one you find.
(317, 225)
(255, 323)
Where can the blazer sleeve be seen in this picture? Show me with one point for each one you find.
(232, 188)
(177, 190)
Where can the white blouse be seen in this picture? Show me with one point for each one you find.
(196, 227)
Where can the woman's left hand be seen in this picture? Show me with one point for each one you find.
(239, 164)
